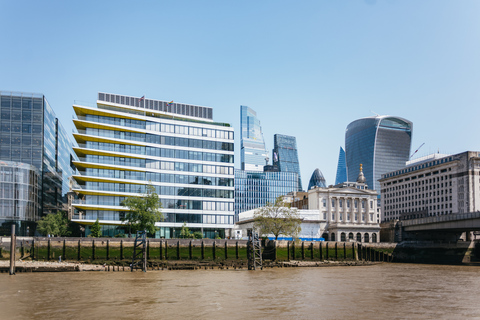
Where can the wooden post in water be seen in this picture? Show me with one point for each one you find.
(108, 250)
(326, 249)
(166, 250)
(12, 250)
(121, 249)
(293, 250)
(160, 248)
(275, 250)
(22, 250)
(303, 250)
(354, 257)
(203, 250)
(93, 250)
(64, 251)
(178, 250)
(344, 251)
(288, 250)
(320, 249)
(32, 249)
(78, 251)
(190, 251)
(226, 250)
(48, 249)
(236, 250)
(148, 249)
(213, 248)
(336, 250)
(311, 250)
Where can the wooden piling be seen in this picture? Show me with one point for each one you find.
(344, 251)
(12, 250)
(236, 250)
(226, 251)
(93, 250)
(64, 251)
(79, 254)
(121, 249)
(178, 250)
(336, 250)
(214, 251)
(326, 249)
(303, 250)
(49, 249)
(203, 250)
(190, 250)
(320, 249)
(108, 249)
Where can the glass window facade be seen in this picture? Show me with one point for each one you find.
(341, 176)
(189, 162)
(255, 189)
(31, 134)
(253, 151)
(381, 144)
(285, 155)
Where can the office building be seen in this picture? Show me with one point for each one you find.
(36, 161)
(285, 155)
(254, 189)
(254, 156)
(317, 180)
(126, 143)
(380, 143)
(432, 186)
(341, 168)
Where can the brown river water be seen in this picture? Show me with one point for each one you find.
(385, 291)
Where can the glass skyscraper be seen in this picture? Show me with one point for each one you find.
(341, 168)
(380, 143)
(253, 153)
(126, 143)
(255, 189)
(285, 155)
(317, 180)
(36, 155)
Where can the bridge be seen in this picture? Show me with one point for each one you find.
(447, 227)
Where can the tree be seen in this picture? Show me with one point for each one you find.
(96, 230)
(277, 218)
(54, 224)
(144, 211)
(185, 232)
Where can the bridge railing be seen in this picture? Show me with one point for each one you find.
(442, 218)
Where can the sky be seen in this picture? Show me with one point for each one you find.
(308, 68)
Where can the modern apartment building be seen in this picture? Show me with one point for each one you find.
(254, 156)
(126, 143)
(285, 155)
(36, 161)
(380, 143)
(432, 186)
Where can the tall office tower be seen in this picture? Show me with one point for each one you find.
(317, 180)
(341, 168)
(253, 153)
(380, 143)
(285, 155)
(127, 143)
(36, 161)
(255, 189)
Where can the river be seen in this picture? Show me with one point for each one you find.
(385, 291)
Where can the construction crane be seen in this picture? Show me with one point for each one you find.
(417, 150)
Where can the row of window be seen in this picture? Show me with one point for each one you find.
(161, 190)
(168, 217)
(160, 177)
(348, 216)
(164, 140)
(160, 152)
(159, 165)
(340, 203)
(162, 127)
(166, 203)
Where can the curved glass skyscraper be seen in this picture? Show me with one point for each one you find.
(253, 152)
(380, 143)
(317, 180)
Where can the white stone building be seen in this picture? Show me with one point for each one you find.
(432, 186)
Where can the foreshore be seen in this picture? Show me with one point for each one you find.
(45, 266)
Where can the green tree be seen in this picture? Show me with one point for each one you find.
(278, 218)
(185, 232)
(144, 211)
(96, 230)
(54, 224)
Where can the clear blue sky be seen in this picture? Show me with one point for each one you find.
(308, 68)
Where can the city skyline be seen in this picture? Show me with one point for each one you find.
(318, 70)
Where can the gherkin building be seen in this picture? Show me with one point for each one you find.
(317, 180)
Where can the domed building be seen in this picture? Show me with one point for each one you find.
(317, 180)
